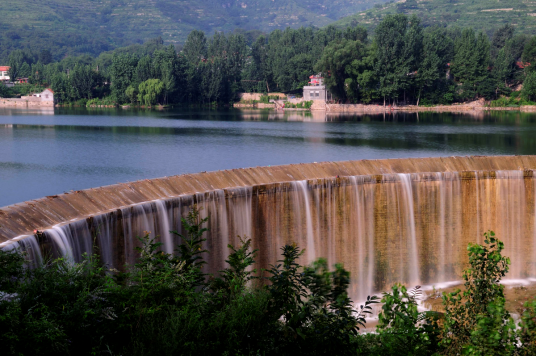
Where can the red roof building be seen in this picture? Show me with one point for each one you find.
(4, 76)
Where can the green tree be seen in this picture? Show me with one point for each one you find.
(170, 69)
(37, 73)
(25, 71)
(432, 69)
(517, 45)
(150, 91)
(399, 48)
(474, 312)
(144, 70)
(258, 68)
(122, 74)
(503, 69)
(4, 91)
(45, 57)
(195, 48)
(471, 62)
(501, 36)
(19, 62)
(362, 82)
(334, 65)
(82, 80)
(132, 93)
(529, 87)
(60, 84)
(529, 54)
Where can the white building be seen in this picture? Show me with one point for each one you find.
(46, 95)
(316, 90)
(4, 73)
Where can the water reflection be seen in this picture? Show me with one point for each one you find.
(29, 111)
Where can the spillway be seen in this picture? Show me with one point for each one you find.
(387, 221)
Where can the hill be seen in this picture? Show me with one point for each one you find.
(93, 26)
(486, 15)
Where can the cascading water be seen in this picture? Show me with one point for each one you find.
(408, 228)
(510, 212)
(165, 228)
(303, 192)
(29, 246)
(364, 205)
(411, 245)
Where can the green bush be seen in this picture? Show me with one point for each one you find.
(516, 99)
(469, 314)
(166, 305)
(402, 328)
(266, 98)
(300, 105)
(106, 101)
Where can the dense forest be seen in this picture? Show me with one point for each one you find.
(404, 63)
(69, 27)
(482, 15)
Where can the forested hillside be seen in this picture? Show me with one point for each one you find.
(93, 26)
(485, 15)
(403, 63)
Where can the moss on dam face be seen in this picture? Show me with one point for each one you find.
(400, 220)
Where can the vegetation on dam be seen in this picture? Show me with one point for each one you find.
(165, 305)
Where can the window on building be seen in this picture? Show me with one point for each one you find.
(317, 93)
(46, 96)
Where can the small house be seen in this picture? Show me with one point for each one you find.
(46, 95)
(316, 90)
(45, 99)
(4, 73)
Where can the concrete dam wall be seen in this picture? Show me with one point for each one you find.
(387, 221)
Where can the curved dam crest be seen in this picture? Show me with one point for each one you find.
(387, 221)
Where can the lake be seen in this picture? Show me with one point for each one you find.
(51, 152)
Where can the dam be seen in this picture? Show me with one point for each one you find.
(387, 221)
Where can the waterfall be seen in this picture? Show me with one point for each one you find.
(442, 226)
(407, 228)
(510, 219)
(364, 234)
(29, 246)
(477, 192)
(413, 267)
(302, 190)
(104, 230)
(164, 226)
(62, 243)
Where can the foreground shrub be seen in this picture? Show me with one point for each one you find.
(482, 302)
(166, 305)
(402, 329)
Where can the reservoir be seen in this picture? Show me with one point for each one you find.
(51, 152)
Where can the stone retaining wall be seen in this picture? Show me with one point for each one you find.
(25, 102)
(254, 106)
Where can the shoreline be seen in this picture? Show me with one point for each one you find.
(362, 108)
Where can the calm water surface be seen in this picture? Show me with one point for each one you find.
(51, 152)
